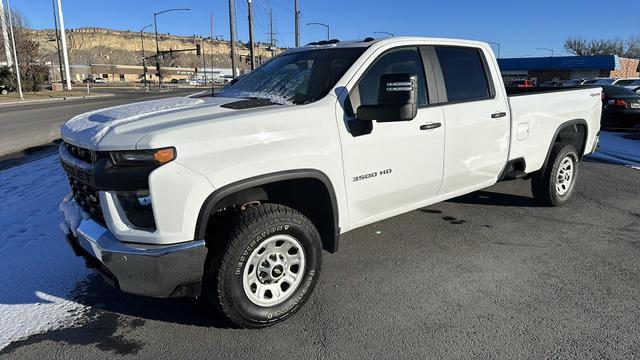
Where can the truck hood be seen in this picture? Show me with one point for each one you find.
(131, 122)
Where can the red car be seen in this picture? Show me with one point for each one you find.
(523, 84)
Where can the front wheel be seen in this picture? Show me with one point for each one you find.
(554, 184)
(269, 267)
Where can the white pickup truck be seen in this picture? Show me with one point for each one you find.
(234, 197)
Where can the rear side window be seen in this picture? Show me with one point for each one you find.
(464, 73)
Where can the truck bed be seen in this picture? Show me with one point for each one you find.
(538, 113)
(516, 91)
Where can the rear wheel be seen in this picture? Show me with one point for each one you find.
(269, 267)
(554, 184)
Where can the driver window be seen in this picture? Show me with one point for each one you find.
(404, 60)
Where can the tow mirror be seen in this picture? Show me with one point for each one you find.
(396, 99)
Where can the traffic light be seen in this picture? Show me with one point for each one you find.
(198, 49)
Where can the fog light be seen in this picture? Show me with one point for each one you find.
(137, 208)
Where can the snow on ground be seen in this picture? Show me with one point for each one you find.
(621, 148)
(38, 272)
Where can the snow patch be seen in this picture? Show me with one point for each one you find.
(39, 273)
(621, 148)
(91, 127)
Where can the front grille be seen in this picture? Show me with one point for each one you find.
(88, 199)
(79, 153)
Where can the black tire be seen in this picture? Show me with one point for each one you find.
(223, 283)
(543, 183)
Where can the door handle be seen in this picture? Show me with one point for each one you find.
(430, 126)
(498, 115)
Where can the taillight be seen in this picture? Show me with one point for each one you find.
(620, 102)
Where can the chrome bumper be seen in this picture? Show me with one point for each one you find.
(148, 270)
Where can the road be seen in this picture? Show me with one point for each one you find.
(488, 275)
(32, 124)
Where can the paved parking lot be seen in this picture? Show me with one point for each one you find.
(488, 275)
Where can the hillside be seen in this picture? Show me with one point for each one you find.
(104, 46)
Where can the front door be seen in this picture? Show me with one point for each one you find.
(390, 166)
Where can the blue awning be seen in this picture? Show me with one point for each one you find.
(603, 62)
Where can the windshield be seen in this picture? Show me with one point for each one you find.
(625, 82)
(295, 78)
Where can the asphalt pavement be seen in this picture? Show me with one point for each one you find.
(488, 275)
(33, 124)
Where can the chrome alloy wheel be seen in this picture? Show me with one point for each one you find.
(274, 270)
(564, 177)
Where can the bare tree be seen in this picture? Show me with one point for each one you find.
(629, 48)
(29, 53)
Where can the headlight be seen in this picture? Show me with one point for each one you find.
(155, 157)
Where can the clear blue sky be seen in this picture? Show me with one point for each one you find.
(519, 26)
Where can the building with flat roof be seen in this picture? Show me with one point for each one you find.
(541, 69)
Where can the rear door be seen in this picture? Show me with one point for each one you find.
(477, 118)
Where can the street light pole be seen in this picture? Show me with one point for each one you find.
(144, 62)
(547, 49)
(321, 24)
(55, 22)
(5, 35)
(496, 44)
(15, 55)
(65, 55)
(155, 26)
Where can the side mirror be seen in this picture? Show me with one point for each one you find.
(396, 99)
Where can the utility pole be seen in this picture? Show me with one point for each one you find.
(297, 10)
(272, 42)
(5, 35)
(15, 55)
(251, 43)
(63, 37)
(232, 41)
(211, 53)
(55, 21)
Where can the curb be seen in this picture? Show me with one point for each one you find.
(20, 102)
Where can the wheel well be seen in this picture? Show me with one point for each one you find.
(574, 134)
(310, 196)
